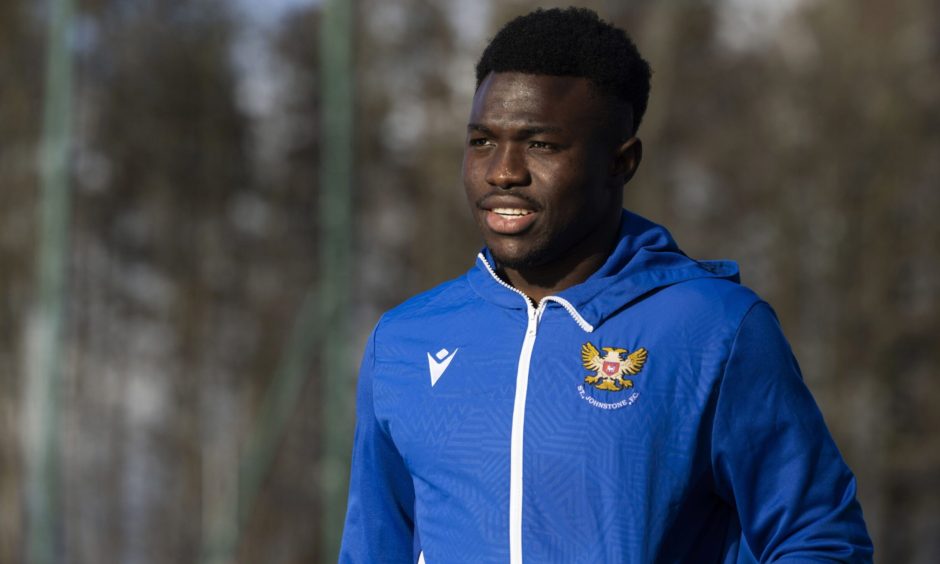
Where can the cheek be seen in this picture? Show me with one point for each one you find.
(473, 186)
(574, 165)
(568, 180)
(466, 176)
(470, 172)
(464, 166)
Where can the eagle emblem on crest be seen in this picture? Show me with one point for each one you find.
(609, 370)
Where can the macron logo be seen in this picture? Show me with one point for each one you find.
(438, 365)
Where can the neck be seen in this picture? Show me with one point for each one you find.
(572, 268)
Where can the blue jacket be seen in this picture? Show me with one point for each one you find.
(653, 413)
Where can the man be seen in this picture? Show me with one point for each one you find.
(586, 392)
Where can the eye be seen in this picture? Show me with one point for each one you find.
(542, 145)
(478, 142)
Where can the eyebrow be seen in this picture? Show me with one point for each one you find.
(524, 132)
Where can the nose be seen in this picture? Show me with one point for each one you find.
(507, 167)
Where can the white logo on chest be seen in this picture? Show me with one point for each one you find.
(438, 363)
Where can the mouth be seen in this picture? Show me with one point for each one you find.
(508, 214)
(508, 221)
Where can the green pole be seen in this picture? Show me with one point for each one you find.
(41, 409)
(336, 171)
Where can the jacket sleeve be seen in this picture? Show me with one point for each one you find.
(774, 459)
(380, 512)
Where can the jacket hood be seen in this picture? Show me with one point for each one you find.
(645, 259)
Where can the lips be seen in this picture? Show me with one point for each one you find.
(507, 215)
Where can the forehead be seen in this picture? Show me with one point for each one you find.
(524, 99)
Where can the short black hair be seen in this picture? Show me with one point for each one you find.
(571, 42)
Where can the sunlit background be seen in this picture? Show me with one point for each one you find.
(206, 205)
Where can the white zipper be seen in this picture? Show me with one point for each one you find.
(518, 424)
(518, 411)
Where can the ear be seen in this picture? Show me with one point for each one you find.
(627, 158)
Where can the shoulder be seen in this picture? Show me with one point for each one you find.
(714, 301)
(441, 298)
(442, 305)
(437, 319)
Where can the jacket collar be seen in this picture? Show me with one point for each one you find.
(645, 258)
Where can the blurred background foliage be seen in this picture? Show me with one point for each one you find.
(799, 137)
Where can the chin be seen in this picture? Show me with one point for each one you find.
(519, 259)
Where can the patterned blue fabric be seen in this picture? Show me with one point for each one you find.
(715, 452)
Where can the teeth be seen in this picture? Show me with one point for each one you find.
(511, 211)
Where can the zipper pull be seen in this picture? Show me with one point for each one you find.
(533, 321)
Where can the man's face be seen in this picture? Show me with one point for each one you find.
(537, 167)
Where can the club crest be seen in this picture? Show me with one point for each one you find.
(608, 370)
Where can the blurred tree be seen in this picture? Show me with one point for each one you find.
(803, 146)
(289, 508)
(159, 296)
(21, 37)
